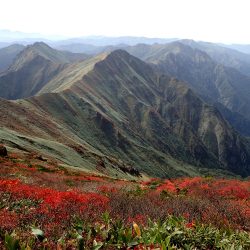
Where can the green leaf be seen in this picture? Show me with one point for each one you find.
(11, 243)
(133, 243)
(97, 245)
(167, 240)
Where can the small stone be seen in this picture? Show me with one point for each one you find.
(3, 151)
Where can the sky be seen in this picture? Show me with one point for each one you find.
(224, 21)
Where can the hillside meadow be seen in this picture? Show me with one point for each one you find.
(44, 205)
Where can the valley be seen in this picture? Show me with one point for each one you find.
(124, 146)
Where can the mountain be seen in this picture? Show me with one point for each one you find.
(81, 48)
(43, 50)
(117, 114)
(98, 44)
(223, 55)
(220, 54)
(8, 54)
(214, 82)
(244, 48)
(4, 44)
(238, 121)
(88, 48)
(33, 68)
(107, 41)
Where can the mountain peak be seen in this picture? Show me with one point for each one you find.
(120, 60)
(40, 45)
(119, 53)
(44, 51)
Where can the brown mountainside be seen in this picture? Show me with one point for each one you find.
(117, 108)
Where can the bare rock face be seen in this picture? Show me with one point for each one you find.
(3, 151)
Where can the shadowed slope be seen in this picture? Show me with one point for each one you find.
(223, 55)
(222, 84)
(214, 82)
(32, 69)
(8, 54)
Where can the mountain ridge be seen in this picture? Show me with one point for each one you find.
(32, 68)
(208, 78)
(123, 105)
(116, 107)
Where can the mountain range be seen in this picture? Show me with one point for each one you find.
(166, 110)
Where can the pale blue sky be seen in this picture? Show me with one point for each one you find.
(211, 20)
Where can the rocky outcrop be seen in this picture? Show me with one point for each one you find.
(3, 151)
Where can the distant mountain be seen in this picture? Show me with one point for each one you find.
(32, 68)
(244, 48)
(80, 48)
(4, 44)
(8, 54)
(106, 41)
(43, 50)
(223, 55)
(88, 48)
(120, 111)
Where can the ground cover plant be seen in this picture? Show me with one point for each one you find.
(47, 206)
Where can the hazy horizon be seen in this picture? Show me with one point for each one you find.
(213, 21)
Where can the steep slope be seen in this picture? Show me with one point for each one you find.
(211, 80)
(8, 54)
(208, 125)
(238, 121)
(32, 69)
(71, 74)
(223, 55)
(121, 111)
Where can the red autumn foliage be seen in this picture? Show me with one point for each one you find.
(52, 198)
(9, 220)
(54, 207)
(190, 224)
(49, 197)
(167, 186)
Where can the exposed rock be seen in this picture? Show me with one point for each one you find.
(3, 151)
(41, 158)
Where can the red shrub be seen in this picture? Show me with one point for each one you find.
(167, 186)
(8, 220)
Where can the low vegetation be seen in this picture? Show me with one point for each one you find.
(46, 206)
